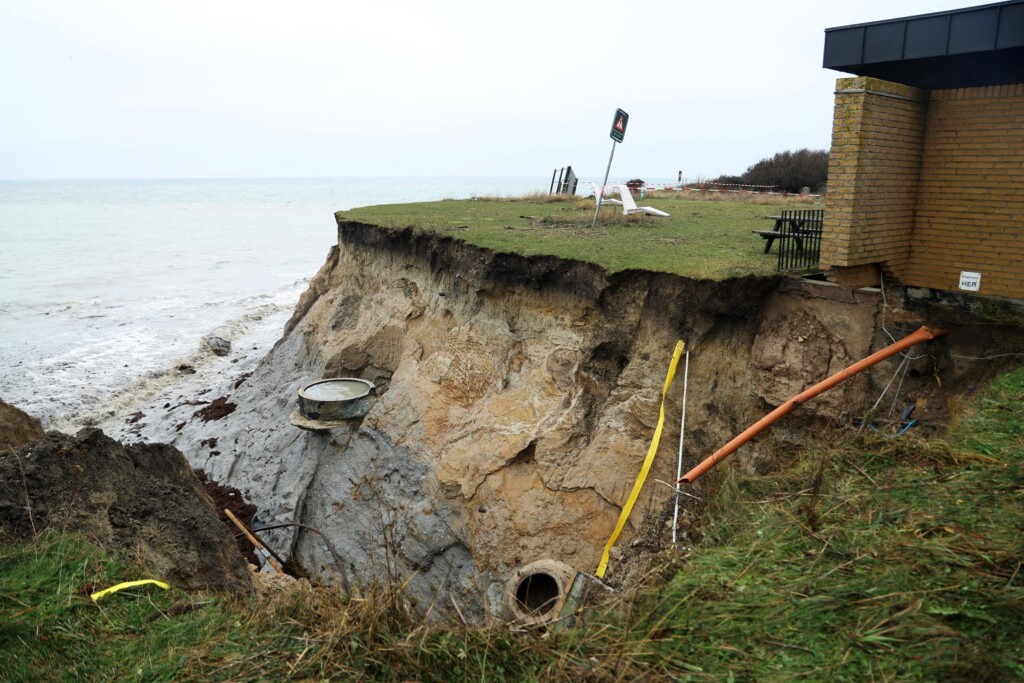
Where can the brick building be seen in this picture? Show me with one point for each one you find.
(926, 173)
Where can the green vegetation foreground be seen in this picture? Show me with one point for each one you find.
(708, 238)
(874, 558)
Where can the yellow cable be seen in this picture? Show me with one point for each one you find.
(127, 584)
(639, 484)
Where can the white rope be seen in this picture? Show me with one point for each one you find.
(1001, 355)
(682, 433)
(885, 305)
(896, 394)
(886, 389)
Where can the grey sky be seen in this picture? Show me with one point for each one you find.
(222, 88)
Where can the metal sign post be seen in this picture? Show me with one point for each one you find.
(600, 193)
(617, 134)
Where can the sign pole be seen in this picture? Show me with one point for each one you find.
(600, 195)
(618, 132)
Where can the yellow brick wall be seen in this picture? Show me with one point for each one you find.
(877, 133)
(970, 207)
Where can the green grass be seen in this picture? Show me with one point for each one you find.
(876, 559)
(704, 239)
(873, 558)
(50, 629)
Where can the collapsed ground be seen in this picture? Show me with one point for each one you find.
(517, 395)
(872, 557)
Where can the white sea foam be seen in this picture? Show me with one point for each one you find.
(107, 288)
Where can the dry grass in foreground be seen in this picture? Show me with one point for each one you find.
(873, 558)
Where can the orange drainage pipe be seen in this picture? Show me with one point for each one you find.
(923, 334)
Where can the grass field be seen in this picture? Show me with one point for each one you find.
(704, 238)
(874, 558)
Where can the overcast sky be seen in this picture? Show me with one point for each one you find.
(223, 88)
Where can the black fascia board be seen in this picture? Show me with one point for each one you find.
(973, 46)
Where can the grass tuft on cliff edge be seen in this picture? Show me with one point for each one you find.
(707, 239)
(873, 558)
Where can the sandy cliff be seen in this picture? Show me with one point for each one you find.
(516, 400)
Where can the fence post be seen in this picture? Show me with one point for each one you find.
(804, 226)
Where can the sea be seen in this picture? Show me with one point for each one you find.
(109, 287)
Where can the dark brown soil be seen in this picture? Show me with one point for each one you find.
(226, 497)
(141, 501)
(217, 409)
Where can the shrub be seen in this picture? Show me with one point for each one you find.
(791, 171)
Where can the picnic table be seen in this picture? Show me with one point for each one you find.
(792, 225)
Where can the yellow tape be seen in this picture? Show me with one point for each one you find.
(127, 584)
(642, 477)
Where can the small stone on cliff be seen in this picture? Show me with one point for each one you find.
(219, 345)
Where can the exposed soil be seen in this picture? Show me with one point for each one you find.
(973, 350)
(141, 501)
(17, 428)
(226, 497)
(217, 409)
(490, 340)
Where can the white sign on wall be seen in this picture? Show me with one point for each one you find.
(969, 281)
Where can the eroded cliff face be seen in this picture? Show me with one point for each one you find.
(516, 400)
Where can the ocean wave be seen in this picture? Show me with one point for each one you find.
(98, 381)
(101, 306)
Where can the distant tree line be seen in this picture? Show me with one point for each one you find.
(788, 171)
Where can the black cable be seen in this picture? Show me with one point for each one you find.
(330, 548)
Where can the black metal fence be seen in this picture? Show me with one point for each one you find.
(800, 248)
(566, 184)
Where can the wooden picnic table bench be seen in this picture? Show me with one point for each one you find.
(792, 225)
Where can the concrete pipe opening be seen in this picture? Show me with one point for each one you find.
(535, 593)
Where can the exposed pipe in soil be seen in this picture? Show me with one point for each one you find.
(921, 335)
(535, 593)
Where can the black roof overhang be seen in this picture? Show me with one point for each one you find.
(971, 47)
